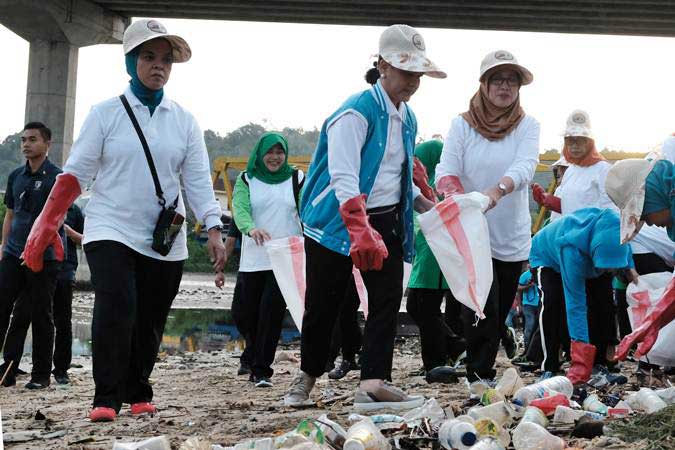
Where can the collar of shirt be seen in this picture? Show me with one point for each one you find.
(46, 164)
(166, 103)
(391, 109)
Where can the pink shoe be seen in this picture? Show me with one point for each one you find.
(102, 414)
(143, 408)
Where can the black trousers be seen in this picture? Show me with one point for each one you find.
(347, 337)
(484, 337)
(602, 329)
(453, 313)
(29, 295)
(260, 314)
(133, 296)
(552, 317)
(239, 317)
(644, 264)
(328, 275)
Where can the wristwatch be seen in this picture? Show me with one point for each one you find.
(216, 227)
(502, 189)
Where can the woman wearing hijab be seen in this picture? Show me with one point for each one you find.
(357, 211)
(135, 271)
(264, 204)
(573, 250)
(583, 186)
(494, 148)
(643, 192)
(427, 287)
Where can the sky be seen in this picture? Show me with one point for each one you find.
(296, 75)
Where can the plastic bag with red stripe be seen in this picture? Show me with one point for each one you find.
(457, 233)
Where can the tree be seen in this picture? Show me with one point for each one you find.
(10, 157)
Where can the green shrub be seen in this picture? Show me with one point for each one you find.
(199, 261)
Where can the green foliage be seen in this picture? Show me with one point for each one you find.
(10, 157)
(198, 261)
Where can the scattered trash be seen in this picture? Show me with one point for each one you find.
(531, 436)
(430, 409)
(457, 434)
(534, 415)
(550, 386)
(364, 435)
(488, 444)
(32, 435)
(155, 443)
(564, 414)
(648, 401)
(501, 412)
(592, 403)
(548, 404)
(588, 428)
(196, 444)
(489, 428)
(509, 383)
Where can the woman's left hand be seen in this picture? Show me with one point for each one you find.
(216, 250)
(494, 194)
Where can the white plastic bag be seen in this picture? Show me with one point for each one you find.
(457, 233)
(641, 300)
(287, 256)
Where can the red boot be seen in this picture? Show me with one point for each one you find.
(102, 414)
(583, 356)
(143, 408)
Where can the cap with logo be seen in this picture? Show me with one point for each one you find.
(625, 186)
(578, 125)
(501, 58)
(403, 47)
(147, 29)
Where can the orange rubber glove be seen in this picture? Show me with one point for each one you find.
(421, 180)
(45, 230)
(367, 249)
(545, 199)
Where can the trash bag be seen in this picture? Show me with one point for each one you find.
(641, 299)
(457, 233)
(287, 256)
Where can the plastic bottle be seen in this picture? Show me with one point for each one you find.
(154, 443)
(534, 415)
(509, 383)
(334, 434)
(550, 386)
(456, 434)
(649, 402)
(488, 444)
(592, 403)
(491, 396)
(548, 404)
(667, 395)
(364, 435)
(489, 428)
(564, 414)
(500, 412)
(530, 436)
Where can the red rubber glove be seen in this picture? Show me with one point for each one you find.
(421, 180)
(545, 199)
(367, 249)
(449, 185)
(45, 230)
(645, 335)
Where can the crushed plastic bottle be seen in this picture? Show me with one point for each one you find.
(648, 401)
(545, 388)
(286, 440)
(491, 396)
(534, 415)
(548, 404)
(564, 414)
(530, 436)
(333, 433)
(430, 410)
(377, 418)
(456, 434)
(364, 435)
(488, 444)
(154, 443)
(592, 403)
(489, 428)
(510, 382)
(500, 412)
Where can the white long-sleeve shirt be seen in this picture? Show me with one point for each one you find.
(584, 187)
(346, 137)
(123, 205)
(480, 164)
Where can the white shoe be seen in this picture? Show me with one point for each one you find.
(298, 393)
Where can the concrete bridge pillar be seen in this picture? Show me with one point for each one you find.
(56, 29)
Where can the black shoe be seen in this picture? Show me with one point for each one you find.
(509, 343)
(33, 385)
(20, 371)
(244, 369)
(442, 374)
(340, 370)
(62, 378)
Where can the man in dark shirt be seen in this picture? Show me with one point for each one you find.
(28, 188)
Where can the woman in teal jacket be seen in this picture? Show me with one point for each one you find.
(427, 287)
(568, 252)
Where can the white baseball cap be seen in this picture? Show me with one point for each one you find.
(625, 186)
(578, 125)
(403, 47)
(147, 29)
(503, 58)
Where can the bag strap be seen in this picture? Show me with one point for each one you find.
(296, 188)
(146, 150)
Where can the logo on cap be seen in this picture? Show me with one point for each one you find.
(157, 27)
(579, 118)
(504, 56)
(418, 41)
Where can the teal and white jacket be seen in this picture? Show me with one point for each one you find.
(319, 204)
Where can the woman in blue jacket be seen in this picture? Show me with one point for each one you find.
(567, 253)
(358, 202)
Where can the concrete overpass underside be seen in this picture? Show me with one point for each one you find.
(56, 29)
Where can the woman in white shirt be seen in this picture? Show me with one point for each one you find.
(494, 148)
(265, 206)
(135, 281)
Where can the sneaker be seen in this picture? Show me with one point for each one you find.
(34, 385)
(612, 378)
(386, 396)
(143, 408)
(342, 369)
(509, 343)
(62, 378)
(263, 382)
(102, 414)
(298, 394)
(10, 375)
(244, 369)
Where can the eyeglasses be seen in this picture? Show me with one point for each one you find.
(510, 81)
